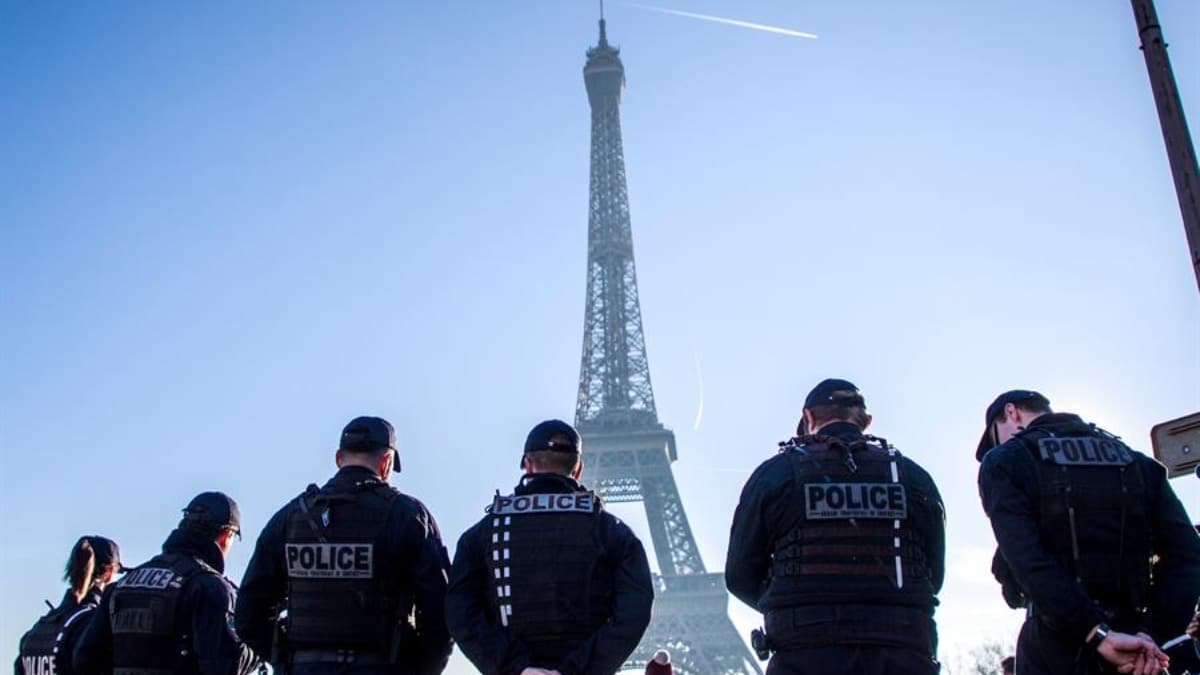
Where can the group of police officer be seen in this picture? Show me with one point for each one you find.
(838, 540)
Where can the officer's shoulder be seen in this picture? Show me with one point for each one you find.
(1004, 455)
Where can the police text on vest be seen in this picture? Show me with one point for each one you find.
(330, 561)
(855, 500)
(1085, 451)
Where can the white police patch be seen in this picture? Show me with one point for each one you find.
(824, 501)
(573, 502)
(39, 665)
(1085, 451)
(330, 561)
(157, 578)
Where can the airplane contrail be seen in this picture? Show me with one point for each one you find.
(729, 22)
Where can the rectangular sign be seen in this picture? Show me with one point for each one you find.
(824, 501)
(148, 577)
(1085, 451)
(330, 561)
(572, 502)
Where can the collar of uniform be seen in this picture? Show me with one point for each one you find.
(351, 474)
(843, 431)
(1060, 423)
(541, 483)
(194, 544)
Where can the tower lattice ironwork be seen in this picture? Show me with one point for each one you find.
(627, 451)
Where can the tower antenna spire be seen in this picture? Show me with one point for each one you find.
(603, 33)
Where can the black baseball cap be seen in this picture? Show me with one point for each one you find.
(988, 440)
(542, 437)
(364, 434)
(212, 511)
(106, 551)
(822, 394)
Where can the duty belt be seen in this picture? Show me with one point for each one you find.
(339, 656)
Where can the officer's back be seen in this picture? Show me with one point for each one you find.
(839, 541)
(548, 579)
(362, 568)
(172, 615)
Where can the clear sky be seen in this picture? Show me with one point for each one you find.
(229, 228)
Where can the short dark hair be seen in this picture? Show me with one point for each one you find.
(848, 406)
(1033, 403)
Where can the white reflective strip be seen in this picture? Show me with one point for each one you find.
(507, 572)
(506, 554)
(496, 537)
(495, 522)
(895, 473)
(897, 542)
(506, 535)
(503, 616)
(497, 572)
(499, 591)
(495, 555)
(508, 520)
(508, 591)
(899, 573)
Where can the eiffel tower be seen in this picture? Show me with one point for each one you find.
(627, 451)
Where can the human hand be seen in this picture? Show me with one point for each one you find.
(1193, 629)
(1136, 654)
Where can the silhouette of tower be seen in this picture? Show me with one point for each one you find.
(627, 451)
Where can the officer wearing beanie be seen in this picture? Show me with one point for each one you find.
(839, 541)
(548, 582)
(359, 568)
(46, 649)
(1093, 536)
(173, 614)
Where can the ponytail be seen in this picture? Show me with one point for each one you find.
(81, 567)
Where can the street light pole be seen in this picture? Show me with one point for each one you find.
(1180, 152)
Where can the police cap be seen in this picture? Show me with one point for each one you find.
(988, 440)
(212, 511)
(542, 437)
(365, 434)
(822, 394)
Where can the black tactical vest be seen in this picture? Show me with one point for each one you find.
(1093, 514)
(545, 549)
(42, 645)
(852, 538)
(343, 592)
(149, 635)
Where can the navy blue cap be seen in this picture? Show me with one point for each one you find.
(106, 551)
(542, 437)
(988, 440)
(212, 510)
(365, 434)
(822, 394)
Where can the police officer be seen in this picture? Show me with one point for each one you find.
(173, 614)
(548, 581)
(1078, 517)
(46, 648)
(839, 541)
(359, 567)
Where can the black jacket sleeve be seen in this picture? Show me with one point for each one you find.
(469, 612)
(1009, 588)
(633, 595)
(749, 556)
(1176, 548)
(218, 649)
(426, 574)
(1007, 487)
(261, 595)
(92, 654)
(935, 528)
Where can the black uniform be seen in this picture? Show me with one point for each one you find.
(1078, 515)
(363, 570)
(549, 579)
(840, 543)
(46, 648)
(169, 616)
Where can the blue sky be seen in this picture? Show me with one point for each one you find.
(228, 229)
